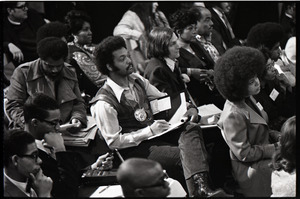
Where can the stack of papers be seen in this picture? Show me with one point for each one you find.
(209, 114)
(83, 137)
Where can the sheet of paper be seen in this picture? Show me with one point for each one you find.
(172, 127)
(208, 109)
(178, 115)
(159, 105)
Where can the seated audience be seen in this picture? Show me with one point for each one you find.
(52, 76)
(81, 51)
(288, 21)
(194, 60)
(243, 124)
(42, 116)
(135, 26)
(284, 162)
(19, 32)
(222, 25)
(122, 112)
(142, 178)
(22, 173)
(209, 38)
(275, 96)
(52, 29)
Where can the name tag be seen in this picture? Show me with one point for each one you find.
(260, 107)
(274, 94)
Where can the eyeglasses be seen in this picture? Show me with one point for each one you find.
(160, 183)
(23, 7)
(51, 123)
(33, 156)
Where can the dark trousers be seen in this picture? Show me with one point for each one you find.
(181, 153)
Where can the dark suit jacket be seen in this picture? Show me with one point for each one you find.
(10, 190)
(222, 30)
(217, 41)
(161, 76)
(64, 172)
(199, 91)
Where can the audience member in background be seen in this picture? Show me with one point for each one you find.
(122, 112)
(284, 162)
(221, 24)
(276, 96)
(288, 21)
(135, 26)
(243, 124)
(42, 116)
(194, 60)
(208, 37)
(49, 75)
(19, 32)
(52, 29)
(81, 54)
(22, 174)
(142, 178)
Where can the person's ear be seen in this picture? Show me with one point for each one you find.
(34, 122)
(14, 160)
(139, 192)
(178, 32)
(108, 66)
(9, 10)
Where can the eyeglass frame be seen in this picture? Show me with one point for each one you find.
(162, 183)
(33, 156)
(22, 7)
(50, 122)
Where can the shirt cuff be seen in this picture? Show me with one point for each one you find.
(269, 150)
(143, 135)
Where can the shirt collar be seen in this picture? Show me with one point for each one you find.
(170, 63)
(219, 13)
(288, 15)
(13, 22)
(20, 185)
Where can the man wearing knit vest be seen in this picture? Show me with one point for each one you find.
(122, 112)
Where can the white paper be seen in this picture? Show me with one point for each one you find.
(175, 121)
(178, 115)
(159, 105)
(208, 109)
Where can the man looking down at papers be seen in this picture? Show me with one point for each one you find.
(42, 115)
(122, 112)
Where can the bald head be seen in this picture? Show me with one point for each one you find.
(135, 174)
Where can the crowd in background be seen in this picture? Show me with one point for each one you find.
(240, 56)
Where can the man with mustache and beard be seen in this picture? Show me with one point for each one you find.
(121, 109)
(49, 75)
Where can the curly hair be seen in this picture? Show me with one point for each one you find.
(235, 68)
(104, 52)
(285, 158)
(52, 47)
(75, 20)
(181, 19)
(265, 34)
(52, 29)
(158, 42)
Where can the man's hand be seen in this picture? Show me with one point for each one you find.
(159, 126)
(42, 184)
(54, 140)
(16, 52)
(77, 127)
(192, 113)
(199, 74)
(105, 162)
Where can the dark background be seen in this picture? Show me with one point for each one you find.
(106, 14)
